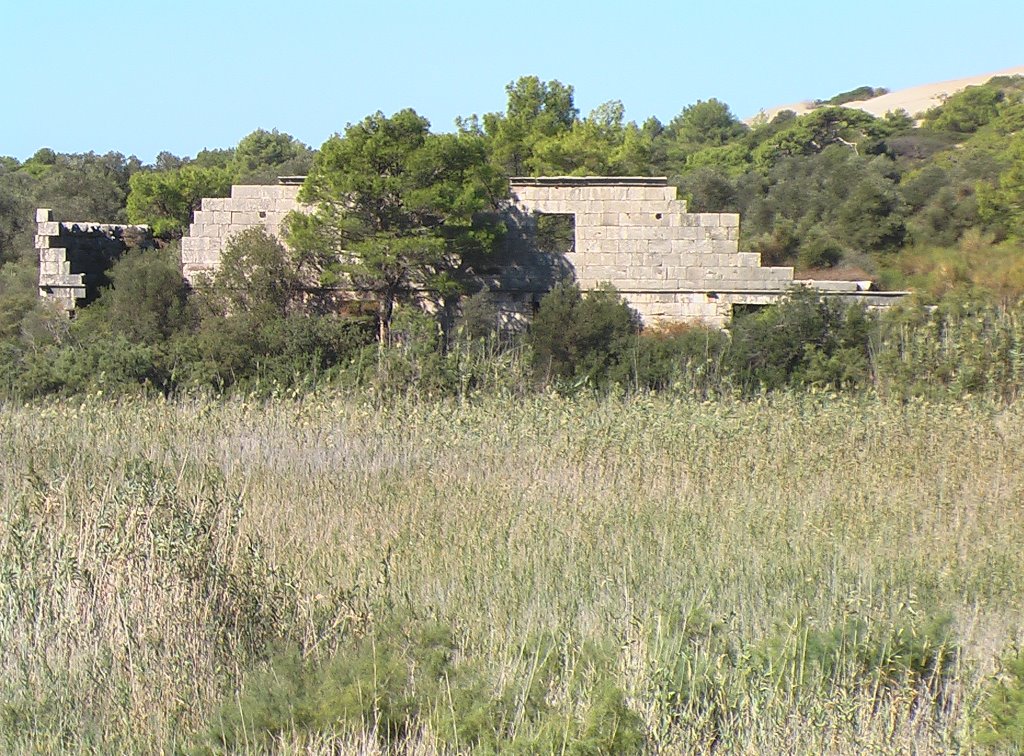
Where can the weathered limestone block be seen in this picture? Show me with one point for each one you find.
(686, 234)
(244, 219)
(758, 285)
(52, 254)
(661, 247)
(684, 219)
(779, 274)
(591, 233)
(66, 279)
(841, 286)
(246, 192)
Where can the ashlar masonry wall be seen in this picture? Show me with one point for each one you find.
(669, 264)
(219, 219)
(631, 232)
(74, 256)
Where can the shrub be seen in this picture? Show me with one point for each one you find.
(264, 355)
(805, 340)
(479, 319)
(148, 299)
(679, 355)
(256, 276)
(113, 365)
(584, 338)
(402, 677)
(1002, 713)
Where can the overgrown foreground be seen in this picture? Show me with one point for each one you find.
(803, 574)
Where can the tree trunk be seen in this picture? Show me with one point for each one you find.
(387, 310)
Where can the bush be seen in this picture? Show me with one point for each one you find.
(419, 362)
(479, 318)
(148, 299)
(1002, 713)
(113, 365)
(679, 355)
(402, 678)
(265, 355)
(804, 340)
(582, 338)
(256, 276)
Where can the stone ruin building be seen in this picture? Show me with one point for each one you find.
(669, 264)
(74, 256)
(632, 232)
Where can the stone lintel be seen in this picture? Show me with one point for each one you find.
(587, 181)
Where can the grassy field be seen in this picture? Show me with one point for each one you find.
(806, 574)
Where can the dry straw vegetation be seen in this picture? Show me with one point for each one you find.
(803, 573)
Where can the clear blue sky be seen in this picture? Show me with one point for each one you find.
(139, 76)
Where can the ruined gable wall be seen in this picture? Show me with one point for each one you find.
(74, 256)
(635, 234)
(631, 232)
(219, 219)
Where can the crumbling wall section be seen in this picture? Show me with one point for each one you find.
(74, 256)
(219, 219)
(632, 232)
(635, 234)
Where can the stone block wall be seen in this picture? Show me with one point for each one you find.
(74, 256)
(631, 232)
(219, 219)
(668, 263)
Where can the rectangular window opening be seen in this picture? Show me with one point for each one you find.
(556, 233)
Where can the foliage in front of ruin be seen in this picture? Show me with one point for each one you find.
(577, 342)
(836, 192)
(805, 341)
(582, 338)
(234, 521)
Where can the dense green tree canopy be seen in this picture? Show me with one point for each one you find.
(1002, 202)
(967, 111)
(263, 155)
(706, 124)
(166, 200)
(536, 110)
(395, 208)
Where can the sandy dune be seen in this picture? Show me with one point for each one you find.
(914, 100)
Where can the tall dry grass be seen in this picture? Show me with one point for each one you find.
(765, 576)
